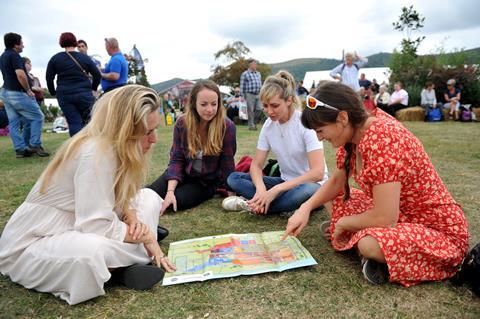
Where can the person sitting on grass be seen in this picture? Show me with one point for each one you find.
(398, 99)
(428, 99)
(404, 223)
(202, 153)
(297, 149)
(452, 99)
(86, 220)
(382, 98)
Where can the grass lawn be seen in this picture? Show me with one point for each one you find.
(333, 288)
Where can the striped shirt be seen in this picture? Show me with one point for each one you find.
(250, 82)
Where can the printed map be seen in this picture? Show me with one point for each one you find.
(234, 255)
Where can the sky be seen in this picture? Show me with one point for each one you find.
(179, 38)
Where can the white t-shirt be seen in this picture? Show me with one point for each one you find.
(290, 142)
(401, 94)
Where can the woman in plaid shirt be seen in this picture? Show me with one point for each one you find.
(202, 153)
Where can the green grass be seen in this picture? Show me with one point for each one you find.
(333, 288)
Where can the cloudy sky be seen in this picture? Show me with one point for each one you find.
(179, 37)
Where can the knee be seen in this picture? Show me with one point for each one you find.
(369, 248)
(233, 178)
(305, 191)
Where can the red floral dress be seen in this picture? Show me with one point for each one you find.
(431, 236)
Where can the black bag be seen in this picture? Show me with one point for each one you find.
(272, 168)
(469, 272)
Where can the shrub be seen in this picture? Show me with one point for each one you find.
(414, 92)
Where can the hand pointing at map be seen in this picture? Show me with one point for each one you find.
(296, 223)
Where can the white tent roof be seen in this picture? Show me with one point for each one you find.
(380, 74)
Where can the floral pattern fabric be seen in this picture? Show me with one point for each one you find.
(431, 235)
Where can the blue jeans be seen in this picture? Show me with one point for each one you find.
(77, 109)
(242, 184)
(23, 110)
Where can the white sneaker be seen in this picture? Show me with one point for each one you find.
(235, 204)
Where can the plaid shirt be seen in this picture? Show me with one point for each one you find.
(250, 82)
(215, 169)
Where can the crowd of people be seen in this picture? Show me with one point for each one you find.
(88, 220)
(72, 76)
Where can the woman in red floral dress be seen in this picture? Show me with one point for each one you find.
(402, 220)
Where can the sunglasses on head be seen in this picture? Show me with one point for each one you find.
(313, 103)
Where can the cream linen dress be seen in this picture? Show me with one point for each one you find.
(65, 240)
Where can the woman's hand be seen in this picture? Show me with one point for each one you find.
(160, 259)
(260, 203)
(339, 230)
(136, 228)
(297, 222)
(170, 199)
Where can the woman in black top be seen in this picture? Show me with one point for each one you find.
(77, 77)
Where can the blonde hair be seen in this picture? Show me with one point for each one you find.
(216, 127)
(118, 122)
(283, 85)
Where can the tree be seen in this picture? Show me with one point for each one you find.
(234, 55)
(405, 65)
(408, 22)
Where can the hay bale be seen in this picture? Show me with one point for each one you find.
(477, 112)
(415, 113)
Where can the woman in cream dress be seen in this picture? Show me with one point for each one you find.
(86, 217)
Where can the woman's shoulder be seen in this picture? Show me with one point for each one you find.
(229, 125)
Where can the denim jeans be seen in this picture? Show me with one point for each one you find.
(23, 110)
(242, 184)
(77, 109)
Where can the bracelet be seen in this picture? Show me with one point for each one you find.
(170, 190)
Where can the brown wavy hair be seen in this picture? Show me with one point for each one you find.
(345, 99)
(216, 127)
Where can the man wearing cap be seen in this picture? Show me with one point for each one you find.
(115, 73)
(250, 84)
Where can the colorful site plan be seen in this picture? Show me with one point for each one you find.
(234, 255)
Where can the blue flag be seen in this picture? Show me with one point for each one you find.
(138, 57)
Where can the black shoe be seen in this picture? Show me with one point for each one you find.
(39, 151)
(23, 153)
(376, 273)
(162, 233)
(138, 277)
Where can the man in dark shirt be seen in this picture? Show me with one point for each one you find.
(364, 82)
(20, 104)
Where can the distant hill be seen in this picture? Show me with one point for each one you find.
(298, 67)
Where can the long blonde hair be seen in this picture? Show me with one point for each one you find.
(283, 85)
(216, 127)
(118, 122)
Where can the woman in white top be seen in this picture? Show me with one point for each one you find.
(398, 99)
(382, 98)
(297, 149)
(428, 99)
(86, 217)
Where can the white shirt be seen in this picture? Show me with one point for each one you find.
(401, 94)
(290, 142)
(349, 74)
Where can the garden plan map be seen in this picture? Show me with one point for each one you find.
(234, 255)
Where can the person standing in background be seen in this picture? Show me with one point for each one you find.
(347, 72)
(250, 84)
(75, 88)
(19, 100)
(115, 73)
